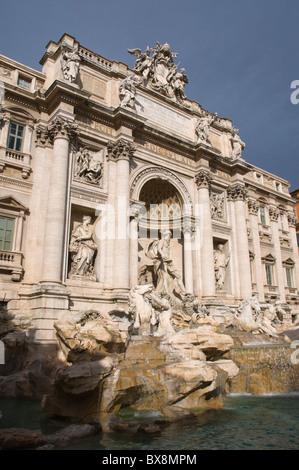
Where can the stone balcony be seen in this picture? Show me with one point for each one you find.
(12, 158)
(11, 263)
(271, 292)
(291, 293)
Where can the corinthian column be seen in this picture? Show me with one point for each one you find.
(203, 181)
(237, 194)
(121, 151)
(60, 131)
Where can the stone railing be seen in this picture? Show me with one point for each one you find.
(11, 261)
(271, 291)
(291, 293)
(95, 58)
(16, 159)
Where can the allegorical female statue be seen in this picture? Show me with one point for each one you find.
(71, 66)
(221, 260)
(82, 249)
(159, 252)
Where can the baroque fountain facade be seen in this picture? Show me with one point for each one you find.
(144, 263)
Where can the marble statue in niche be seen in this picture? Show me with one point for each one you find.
(164, 269)
(82, 249)
(221, 261)
(88, 167)
(71, 65)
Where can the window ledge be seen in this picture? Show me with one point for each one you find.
(11, 263)
(15, 159)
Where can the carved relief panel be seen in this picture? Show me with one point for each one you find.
(88, 166)
(217, 204)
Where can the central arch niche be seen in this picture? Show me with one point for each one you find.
(163, 210)
(162, 200)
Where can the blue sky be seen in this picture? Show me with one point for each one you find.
(240, 56)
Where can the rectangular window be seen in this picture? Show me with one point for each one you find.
(262, 215)
(6, 233)
(289, 274)
(15, 136)
(24, 82)
(269, 275)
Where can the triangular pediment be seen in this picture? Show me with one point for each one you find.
(269, 258)
(289, 262)
(10, 202)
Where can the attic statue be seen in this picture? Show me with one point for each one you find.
(237, 145)
(127, 90)
(71, 65)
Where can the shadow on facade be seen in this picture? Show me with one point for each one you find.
(26, 368)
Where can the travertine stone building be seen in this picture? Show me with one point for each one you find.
(97, 159)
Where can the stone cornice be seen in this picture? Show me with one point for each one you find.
(14, 182)
(88, 194)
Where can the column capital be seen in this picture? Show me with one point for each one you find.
(61, 127)
(122, 149)
(253, 206)
(188, 228)
(41, 135)
(137, 211)
(203, 179)
(291, 219)
(4, 118)
(273, 213)
(237, 192)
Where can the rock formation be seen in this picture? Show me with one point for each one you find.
(115, 361)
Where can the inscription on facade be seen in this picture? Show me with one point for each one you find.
(95, 125)
(169, 153)
(163, 116)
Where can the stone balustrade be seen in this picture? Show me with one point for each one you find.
(95, 58)
(15, 159)
(11, 261)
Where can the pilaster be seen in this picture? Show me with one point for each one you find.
(237, 194)
(253, 209)
(274, 217)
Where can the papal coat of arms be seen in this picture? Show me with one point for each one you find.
(159, 71)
